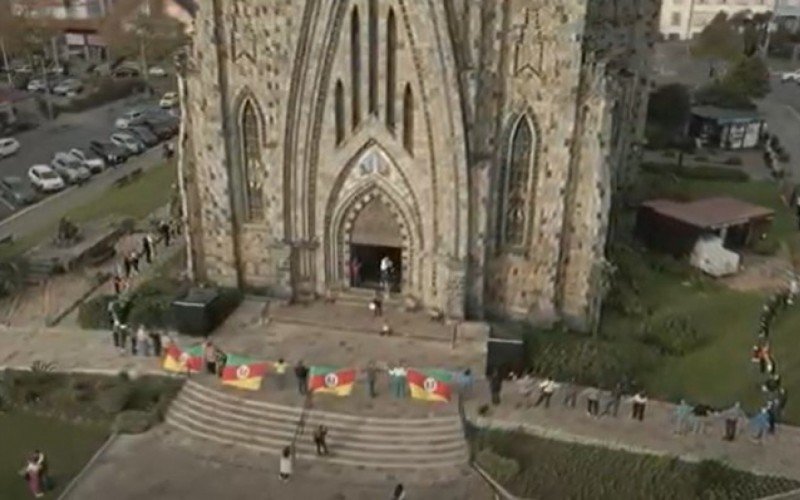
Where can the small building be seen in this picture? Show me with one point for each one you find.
(724, 128)
(676, 227)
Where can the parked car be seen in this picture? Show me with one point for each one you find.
(169, 100)
(95, 164)
(68, 86)
(164, 126)
(144, 134)
(128, 141)
(45, 179)
(130, 118)
(791, 76)
(126, 72)
(111, 153)
(70, 169)
(36, 85)
(17, 190)
(157, 71)
(9, 146)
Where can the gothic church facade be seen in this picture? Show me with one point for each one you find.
(478, 143)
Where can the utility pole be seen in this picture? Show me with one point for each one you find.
(5, 62)
(143, 60)
(48, 95)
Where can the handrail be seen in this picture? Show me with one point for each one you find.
(301, 423)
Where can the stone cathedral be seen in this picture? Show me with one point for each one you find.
(476, 143)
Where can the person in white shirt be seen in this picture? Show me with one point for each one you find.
(387, 266)
(285, 465)
(547, 387)
(639, 402)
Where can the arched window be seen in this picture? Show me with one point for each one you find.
(355, 67)
(391, 68)
(251, 162)
(339, 111)
(372, 29)
(515, 176)
(408, 119)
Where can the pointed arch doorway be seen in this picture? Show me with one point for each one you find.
(376, 247)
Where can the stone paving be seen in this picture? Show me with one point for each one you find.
(167, 464)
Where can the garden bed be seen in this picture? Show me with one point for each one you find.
(534, 467)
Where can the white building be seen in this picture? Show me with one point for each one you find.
(683, 19)
(61, 9)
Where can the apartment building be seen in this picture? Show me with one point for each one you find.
(683, 19)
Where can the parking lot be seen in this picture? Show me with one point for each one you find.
(38, 146)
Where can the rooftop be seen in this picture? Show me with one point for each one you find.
(724, 114)
(709, 213)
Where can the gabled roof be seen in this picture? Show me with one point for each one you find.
(709, 213)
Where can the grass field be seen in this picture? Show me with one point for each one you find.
(720, 372)
(552, 469)
(68, 447)
(137, 199)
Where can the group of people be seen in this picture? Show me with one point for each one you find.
(142, 342)
(129, 266)
(386, 268)
(36, 474)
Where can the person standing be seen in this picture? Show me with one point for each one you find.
(44, 472)
(376, 306)
(386, 272)
(466, 383)
(612, 405)
(165, 232)
(301, 373)
(372, 378)
(221, 360)
(320, 434)
(355, 272)
(399, 492)
(32, 473)
(116, 334)
(402, 380)
(496, 386)
(143, 341)
(147, 248)
(772, 416)
(759, 424)
(732, 416)
(570, 394)
(682, 412)
(593, 401)
(285, 464)
(546, 390)
(155, 341)
(280, 374)
(210, 357)
(126, 265)
(639, 402)
(117, 282)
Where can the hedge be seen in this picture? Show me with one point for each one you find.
(702, 172)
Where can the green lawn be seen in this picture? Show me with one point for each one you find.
(68, 447)
(151, 190)
(534, 467)
(720, 372)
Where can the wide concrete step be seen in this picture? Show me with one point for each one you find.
(197, 390)
(366, 425)
(305, 448)
(354, 432)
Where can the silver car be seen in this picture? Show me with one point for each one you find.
(70, 169)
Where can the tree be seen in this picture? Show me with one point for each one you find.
(718, 40)
(139, 35)
(668, 112)
(746, 80)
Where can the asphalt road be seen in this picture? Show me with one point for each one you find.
(65, 132)
(781, 108)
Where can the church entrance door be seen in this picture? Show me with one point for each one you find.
(376, 248)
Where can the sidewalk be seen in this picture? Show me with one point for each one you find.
(777, 455)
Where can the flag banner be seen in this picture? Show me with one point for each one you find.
(430, 384)
(325, 379)
(244, 373)
(181, 361)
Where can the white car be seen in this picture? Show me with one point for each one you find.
(156, 71)
(45, 179)
(8, 146)
(36, 85)
(128, 142)
(69, 168)
(93, 163)
(169, 100)
(791, 76)
(68, 86)
(129, 118)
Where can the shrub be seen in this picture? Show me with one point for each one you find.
(702, 172)
(676, 336)
(133, 422)
(114, 399)
(502, 469)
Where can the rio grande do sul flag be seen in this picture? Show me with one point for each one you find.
(244, 373)
(430, 384)
(338, 381)
(181, 361)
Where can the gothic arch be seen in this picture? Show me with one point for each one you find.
(517, 180)
(249, 170)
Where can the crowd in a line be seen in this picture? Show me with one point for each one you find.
(130, 263)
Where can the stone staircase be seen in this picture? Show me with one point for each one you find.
(354, 440)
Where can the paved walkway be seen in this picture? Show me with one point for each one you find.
(776, 455)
